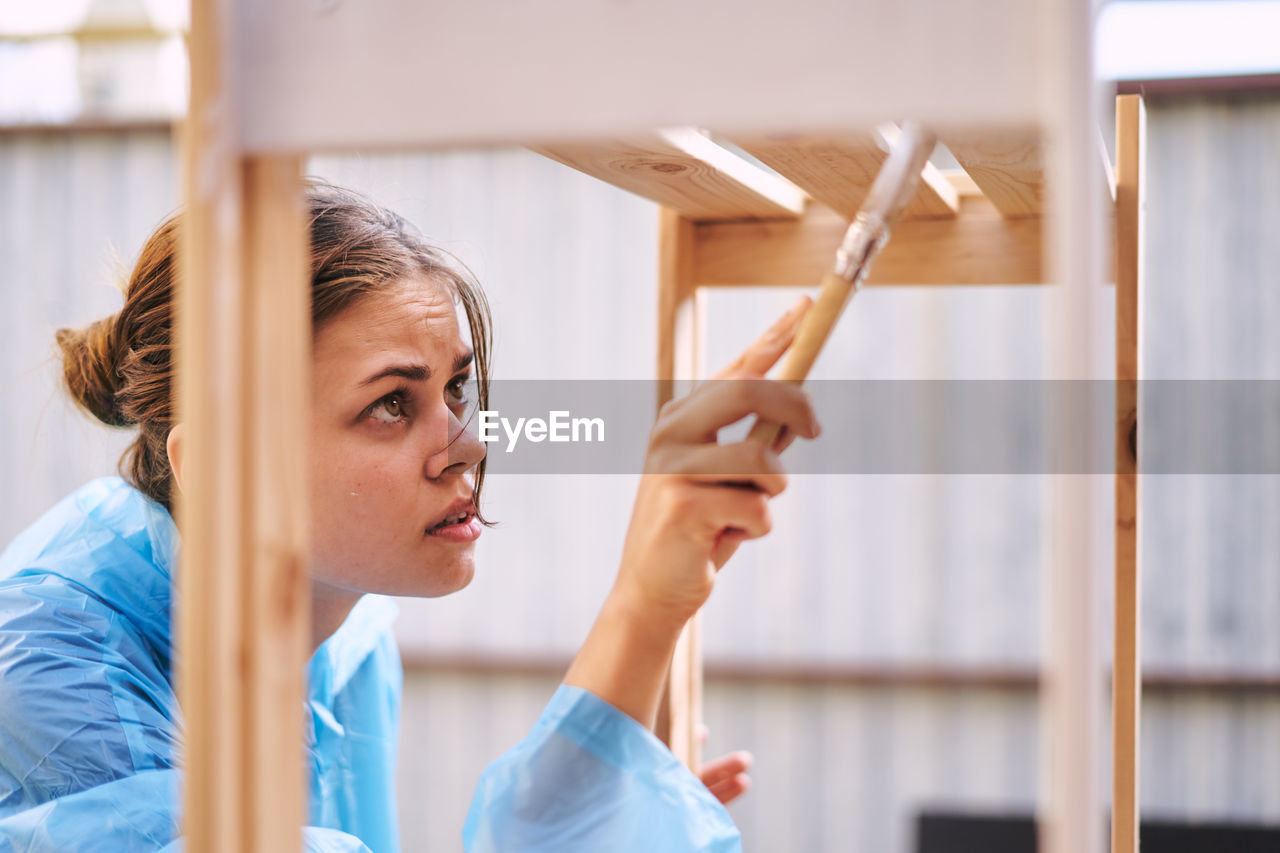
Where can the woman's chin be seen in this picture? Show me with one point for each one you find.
(439, 581)
(416, 575)
(461, 583)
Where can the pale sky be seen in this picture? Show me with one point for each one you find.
(1176, 38)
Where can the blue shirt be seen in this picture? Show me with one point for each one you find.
(90, 729)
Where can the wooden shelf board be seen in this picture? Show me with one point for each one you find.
(977, 247)
(498, 72)
(684, 170)
(1009, 169)
(837, 170)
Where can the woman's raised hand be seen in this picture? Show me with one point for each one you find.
(698, 499)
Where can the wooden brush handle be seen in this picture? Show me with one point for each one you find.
(892, 189)
(810, 338)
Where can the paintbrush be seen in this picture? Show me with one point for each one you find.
(892, 189)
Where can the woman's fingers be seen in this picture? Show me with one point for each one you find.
(726, 776)
(748, 463)
(699, 499)
(715, 405)
(745, 511)
(764, 352)
(726, 545)
(725, 767)
(730, 789)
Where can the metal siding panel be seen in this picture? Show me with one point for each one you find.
(841, 767)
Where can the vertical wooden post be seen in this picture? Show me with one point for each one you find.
(1126, 690)
(678, 360)
(243, 336)
(1072, 697)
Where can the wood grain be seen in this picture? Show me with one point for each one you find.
(243, 357)
(684, 170)
(979, 246)
(244, 628)
(210, 356)
(1009, 169)
(838, 170)
(1126, 688)
(277, 609)
(679, 336)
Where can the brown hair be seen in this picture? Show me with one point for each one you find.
(120, 369)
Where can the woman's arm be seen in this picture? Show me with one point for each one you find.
(588, 777)
(698, 500)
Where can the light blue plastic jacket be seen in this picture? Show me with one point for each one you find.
(90, 728)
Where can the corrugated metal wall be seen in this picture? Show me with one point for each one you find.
(860, 574)
(74, 211)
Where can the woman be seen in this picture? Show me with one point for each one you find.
(89, 724)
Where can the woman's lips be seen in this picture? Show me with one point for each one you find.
(467, 530)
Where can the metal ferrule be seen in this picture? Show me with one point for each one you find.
(866, 235)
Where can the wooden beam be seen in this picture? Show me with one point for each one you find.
(1071, 711)
(1126, 685)
(565, 69)
(245, 338)
(206, 325)
(838, 171)
(1009, 168)
(243, 359)
(679, 359)
(977, 247)
(684, 170)
(278, 608)
(684, 691)
(677, 326)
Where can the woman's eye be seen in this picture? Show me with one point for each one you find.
(388, 410)
(459, 389)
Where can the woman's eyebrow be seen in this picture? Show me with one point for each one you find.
(412, 372)
(418, 372)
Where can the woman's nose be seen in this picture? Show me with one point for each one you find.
(463, 451)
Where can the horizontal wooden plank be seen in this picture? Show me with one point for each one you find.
(1008, 168)
(978, 246)
(473, 72)
(838, 170)
(684, 170)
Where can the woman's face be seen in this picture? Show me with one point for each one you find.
(390, 458)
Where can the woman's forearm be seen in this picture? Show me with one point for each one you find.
(625, 657)
(697, 500)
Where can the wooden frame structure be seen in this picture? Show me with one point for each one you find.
(988, 231)
(800, 87)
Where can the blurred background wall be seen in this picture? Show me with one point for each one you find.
(879, 651)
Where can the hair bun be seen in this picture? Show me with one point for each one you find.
(90, 368)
